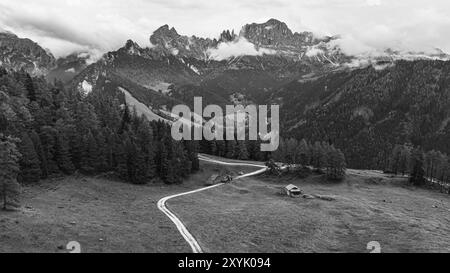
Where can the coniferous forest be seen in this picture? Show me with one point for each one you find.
(47, 130)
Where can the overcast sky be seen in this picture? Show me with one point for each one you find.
(67, 25)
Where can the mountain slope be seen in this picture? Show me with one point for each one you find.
(367, 111)
(17, 53)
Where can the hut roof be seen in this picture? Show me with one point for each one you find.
(292, 188)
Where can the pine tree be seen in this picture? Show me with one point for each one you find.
(418, 172)
(30, 88)
(395, 159)
(142, 172)
(180, 162)
(304, 153)
(62, 156)
(30, 170)
(280, 154)
(146, 144)
(221, 148)
(9, 170)
(126, 120)
(291, 151)
(242, 152)
(164, 166)
(192, 154)
(48, 140)
(76, 145)
(336, 168)
(121, 156)
(90, 154)
(405, 157)
(319, 157)
(213, 147)
(103, 153)
(231, 148)
(39, 151)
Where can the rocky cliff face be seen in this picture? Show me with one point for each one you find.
(276, 34)
(17, 53)
(168, 41)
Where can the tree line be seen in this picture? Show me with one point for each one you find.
(48, 130)
(319, 155)
(422, 166)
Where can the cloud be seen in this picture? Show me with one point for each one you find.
(64, 26)
(313, 51)
(241, 47)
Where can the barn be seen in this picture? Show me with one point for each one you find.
(292, 191)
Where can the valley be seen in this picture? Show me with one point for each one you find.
(88, 154)
(248, 215)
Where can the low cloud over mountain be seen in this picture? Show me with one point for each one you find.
(104, 25)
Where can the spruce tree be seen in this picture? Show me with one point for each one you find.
(30, 170)
(9, 170)
(165, 166)
(121, 156)
(231, 148)
(191, 149)
(103, 152)
(242, 152)
(126, 120)
(62, 156)
(213, 147)
(90, 154)
(147, 147)
(39, 151)
(48, 141)
(395, 159)
(181, 164)
(221, 147)
(418, 172)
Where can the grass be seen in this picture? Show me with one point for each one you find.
(102, 215)
(251, 216)
(245, 216)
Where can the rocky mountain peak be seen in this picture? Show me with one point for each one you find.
(132, 47)
(277, 35)
(167, 41)
(7, 34)
(227, 36)
(270, 33)
(163, 35)
(17, 53)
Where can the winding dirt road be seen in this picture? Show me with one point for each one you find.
(180, 226)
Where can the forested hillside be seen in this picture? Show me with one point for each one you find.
(367, 112)
(59, 131)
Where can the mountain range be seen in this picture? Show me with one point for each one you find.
(363, 104)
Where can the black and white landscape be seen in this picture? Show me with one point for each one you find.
(88, 162)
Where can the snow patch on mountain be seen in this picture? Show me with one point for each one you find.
(86, 88)
(314, 51)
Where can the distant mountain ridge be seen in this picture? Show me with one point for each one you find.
(18, 53)
(271, 41)
(362, 104)
(250, 65)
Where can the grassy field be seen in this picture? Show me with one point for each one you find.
(251, 216)
(102, 215)
(245, 216)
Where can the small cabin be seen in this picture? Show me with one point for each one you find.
(292, 191)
